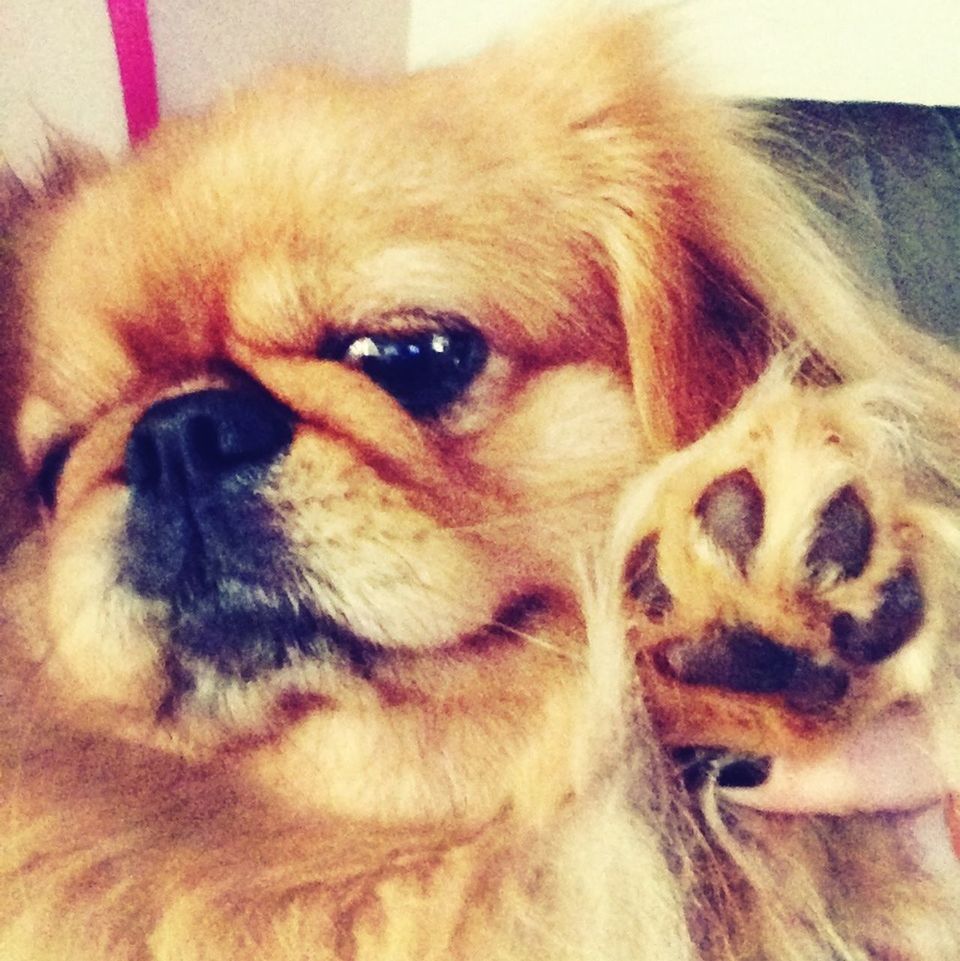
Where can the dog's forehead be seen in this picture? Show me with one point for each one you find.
(312, 202)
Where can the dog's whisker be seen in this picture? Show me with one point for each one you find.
(536, 640)
(372, 640)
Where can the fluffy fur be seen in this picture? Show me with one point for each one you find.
(488, 783)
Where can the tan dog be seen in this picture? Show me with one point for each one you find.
(330, 397)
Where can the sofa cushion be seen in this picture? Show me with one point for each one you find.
(889, 176)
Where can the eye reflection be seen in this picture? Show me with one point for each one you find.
(425, 371)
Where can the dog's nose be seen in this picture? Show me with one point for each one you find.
(186, 444)
(195, 466)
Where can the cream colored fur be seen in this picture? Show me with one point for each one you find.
(493, 790)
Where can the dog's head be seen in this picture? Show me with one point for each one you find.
(328, 391)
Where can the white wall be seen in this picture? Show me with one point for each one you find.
(828, 49)
(203, 46)
(57, 63)
(58, 67)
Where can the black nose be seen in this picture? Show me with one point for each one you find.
(195, 466)
(185, 444)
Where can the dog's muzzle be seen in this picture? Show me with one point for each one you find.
(200, 536)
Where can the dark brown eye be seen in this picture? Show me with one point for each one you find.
(48, 477)
(426, 371)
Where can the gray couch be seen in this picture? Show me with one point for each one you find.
(889, 175)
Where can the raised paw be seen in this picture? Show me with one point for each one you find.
(779, 580)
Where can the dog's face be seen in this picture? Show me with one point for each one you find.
(328, 393)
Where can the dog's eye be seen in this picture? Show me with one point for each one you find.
(425, 371)
(48, 477)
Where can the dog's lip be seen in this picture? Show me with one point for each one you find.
(242, 627)
(889, 765)
(299, 688)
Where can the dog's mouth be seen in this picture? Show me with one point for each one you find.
(248, 655)
(245, 631)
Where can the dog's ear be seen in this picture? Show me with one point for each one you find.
(26, 207)
(715, 266)
(656, 167)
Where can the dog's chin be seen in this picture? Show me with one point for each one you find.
(239, 662)
(245, 662)
(333, 725)
(330, 724)
(455, 733)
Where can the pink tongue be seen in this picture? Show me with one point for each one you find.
(888, 766)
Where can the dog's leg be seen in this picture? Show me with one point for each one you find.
(786, 577)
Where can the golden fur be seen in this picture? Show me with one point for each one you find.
(489, 786)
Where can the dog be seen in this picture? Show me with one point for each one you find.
(446, 486)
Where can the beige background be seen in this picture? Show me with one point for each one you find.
(825, 49)
(57, 63)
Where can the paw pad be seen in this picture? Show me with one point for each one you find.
(731, 514)
(812, 676)
(843, 537)
(699, 765)
(743, 661)
(896, 619)
(643, 580)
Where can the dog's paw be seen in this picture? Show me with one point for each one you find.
(780, 582)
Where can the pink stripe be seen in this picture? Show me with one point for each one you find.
(138, 70)
(953, 821)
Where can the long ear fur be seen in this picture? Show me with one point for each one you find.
(715, 257)
(765, 240)
(24, 210)
(696, 329)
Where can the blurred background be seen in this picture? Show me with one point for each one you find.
(57, 62)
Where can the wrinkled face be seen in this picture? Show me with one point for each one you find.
(327, 393)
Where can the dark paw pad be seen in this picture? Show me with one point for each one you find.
(698, 765)
(731, 513)
(744, 772)
(743, 661)
(815, 688)
(643, 580)
(897, 618)
(738, 659)
(843, 538)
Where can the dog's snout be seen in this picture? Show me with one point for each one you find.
(205, 437)
(195, 465)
